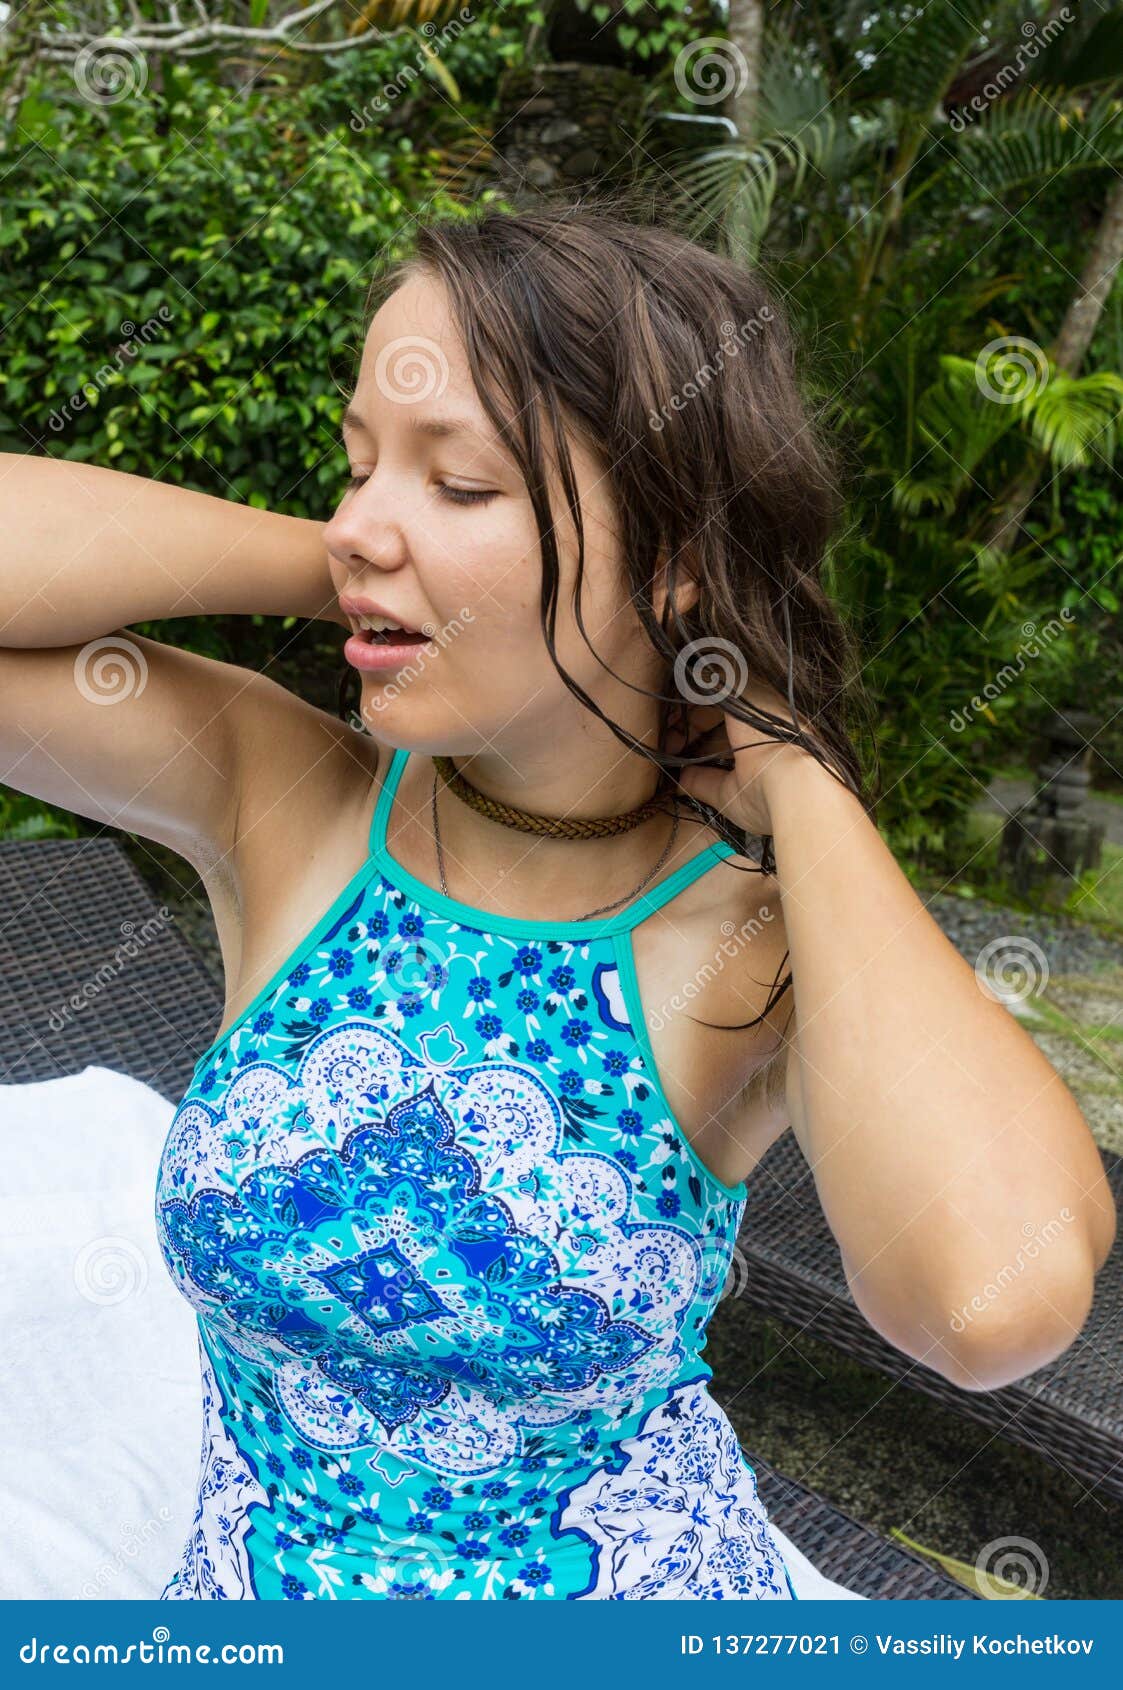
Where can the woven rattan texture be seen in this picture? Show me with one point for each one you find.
(1070, 1412)
(93, 973)
(848, 1552)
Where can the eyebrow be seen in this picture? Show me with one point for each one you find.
(439, 428)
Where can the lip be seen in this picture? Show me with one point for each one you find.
(363, 652)
(353, 606)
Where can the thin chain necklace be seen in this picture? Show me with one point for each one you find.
(603, 908)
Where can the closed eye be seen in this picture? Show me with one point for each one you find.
(466, 495)
(455, 495)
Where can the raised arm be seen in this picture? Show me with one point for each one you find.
(134, 732)
(87, 549)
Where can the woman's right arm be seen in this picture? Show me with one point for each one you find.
(132, 732)
(87, 549)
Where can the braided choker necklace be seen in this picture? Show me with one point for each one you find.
(546, 826)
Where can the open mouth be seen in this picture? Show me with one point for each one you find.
(390, 636)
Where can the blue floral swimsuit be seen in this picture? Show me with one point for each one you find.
(452, 1261)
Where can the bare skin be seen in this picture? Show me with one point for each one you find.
(933, 1125)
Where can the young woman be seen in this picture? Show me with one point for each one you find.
(455, 1188)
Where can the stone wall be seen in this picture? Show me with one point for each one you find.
(566, 125)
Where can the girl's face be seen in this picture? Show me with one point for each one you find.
(438, 530)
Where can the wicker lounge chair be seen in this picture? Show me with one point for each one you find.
(1070, 1412)
(71, 996)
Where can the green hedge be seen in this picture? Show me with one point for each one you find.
(182, 277)
(183, 282)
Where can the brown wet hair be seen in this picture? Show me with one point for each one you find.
(677, 368)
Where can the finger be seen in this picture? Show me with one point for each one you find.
(709, 786)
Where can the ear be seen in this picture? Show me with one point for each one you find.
(686, 587)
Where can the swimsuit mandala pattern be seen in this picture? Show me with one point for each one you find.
(452, 1262)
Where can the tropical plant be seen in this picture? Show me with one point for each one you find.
(888, 186)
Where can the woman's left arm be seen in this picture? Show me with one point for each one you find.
(961, 1182)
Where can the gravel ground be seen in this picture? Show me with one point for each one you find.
(1071, 947)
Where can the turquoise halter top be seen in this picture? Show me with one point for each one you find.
(452, 1260)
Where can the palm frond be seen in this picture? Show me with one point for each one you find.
(958, 426)
(738, 183)
(915, 62)
(1086, 51)
(1074, 414)
(1040, 134)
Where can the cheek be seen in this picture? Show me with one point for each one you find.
(490, 567)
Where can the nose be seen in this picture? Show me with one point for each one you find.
(361, 535)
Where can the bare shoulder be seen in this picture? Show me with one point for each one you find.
(299, 768)
(307, 784)
(303, 780)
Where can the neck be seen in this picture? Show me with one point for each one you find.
(575, 788)
(491, 864)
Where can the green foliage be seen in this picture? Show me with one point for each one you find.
(646, 29)
(183, 278)
(908, 247)
(186, 302)
(23, 817)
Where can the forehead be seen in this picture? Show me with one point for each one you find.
(413, 351)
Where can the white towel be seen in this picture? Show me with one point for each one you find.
(100, 1403)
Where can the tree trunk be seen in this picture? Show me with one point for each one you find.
(746, 31)
(1072, 342)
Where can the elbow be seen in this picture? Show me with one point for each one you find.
(1008, 1339)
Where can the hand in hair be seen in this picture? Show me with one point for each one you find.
(751, 754)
